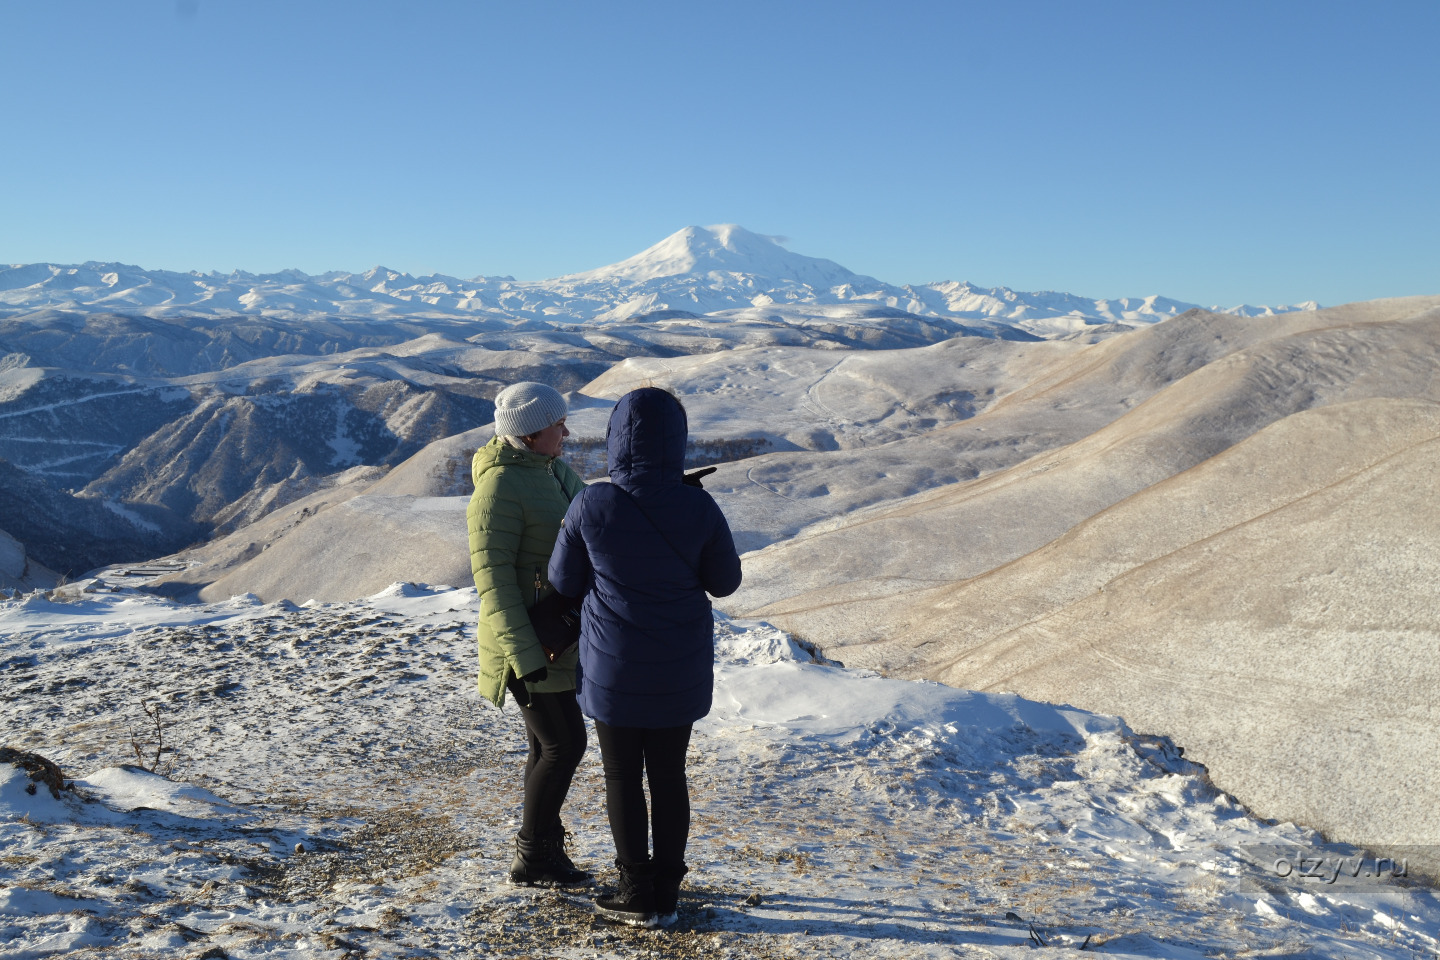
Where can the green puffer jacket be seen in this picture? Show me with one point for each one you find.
(514, 517)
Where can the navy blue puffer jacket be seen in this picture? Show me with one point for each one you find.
(647, 635)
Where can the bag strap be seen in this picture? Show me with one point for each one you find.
(646, 514)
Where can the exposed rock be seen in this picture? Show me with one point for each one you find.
(40, 770)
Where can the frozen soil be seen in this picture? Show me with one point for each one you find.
(333, 786)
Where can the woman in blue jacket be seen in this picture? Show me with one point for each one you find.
(644, 550)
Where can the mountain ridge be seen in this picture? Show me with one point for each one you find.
(722, 269)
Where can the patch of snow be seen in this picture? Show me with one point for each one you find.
(22, 797)
(129, 788)
(345, 449)
(24, 902)
(130, 516)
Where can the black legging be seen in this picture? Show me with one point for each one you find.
(556, 732)
(659, 754)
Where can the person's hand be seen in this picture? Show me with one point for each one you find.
(692, 479)
(535, 676)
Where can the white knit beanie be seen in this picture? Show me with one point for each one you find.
(525, 408)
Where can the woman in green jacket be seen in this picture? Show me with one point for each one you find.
(522, 490)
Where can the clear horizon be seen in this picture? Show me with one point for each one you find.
(1265, 154)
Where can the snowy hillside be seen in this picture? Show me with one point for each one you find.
(336, 789)
(720, 270)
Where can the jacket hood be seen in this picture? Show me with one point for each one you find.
(646, 439)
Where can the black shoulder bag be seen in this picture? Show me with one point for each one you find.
(556, 620)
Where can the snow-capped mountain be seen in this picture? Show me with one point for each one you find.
(715, 252)
(724, 270)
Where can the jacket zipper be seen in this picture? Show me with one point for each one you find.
(550, 469)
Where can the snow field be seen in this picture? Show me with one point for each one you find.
(336, 788)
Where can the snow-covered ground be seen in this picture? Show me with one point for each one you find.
(335, 787)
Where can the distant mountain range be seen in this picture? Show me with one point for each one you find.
(697, 271)
(142, 410)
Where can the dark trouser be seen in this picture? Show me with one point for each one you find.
(631, 754)
(556, 731)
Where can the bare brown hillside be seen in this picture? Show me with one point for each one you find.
(1246, 562)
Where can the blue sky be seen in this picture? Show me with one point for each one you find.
(1214, 152)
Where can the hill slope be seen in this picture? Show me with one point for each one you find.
(1116, 417)
(1249, 550)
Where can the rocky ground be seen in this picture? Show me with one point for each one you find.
(328, 785)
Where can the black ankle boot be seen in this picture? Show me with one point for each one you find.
(667, 892)
(560, 860)
(633, 903)
(543, 861)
